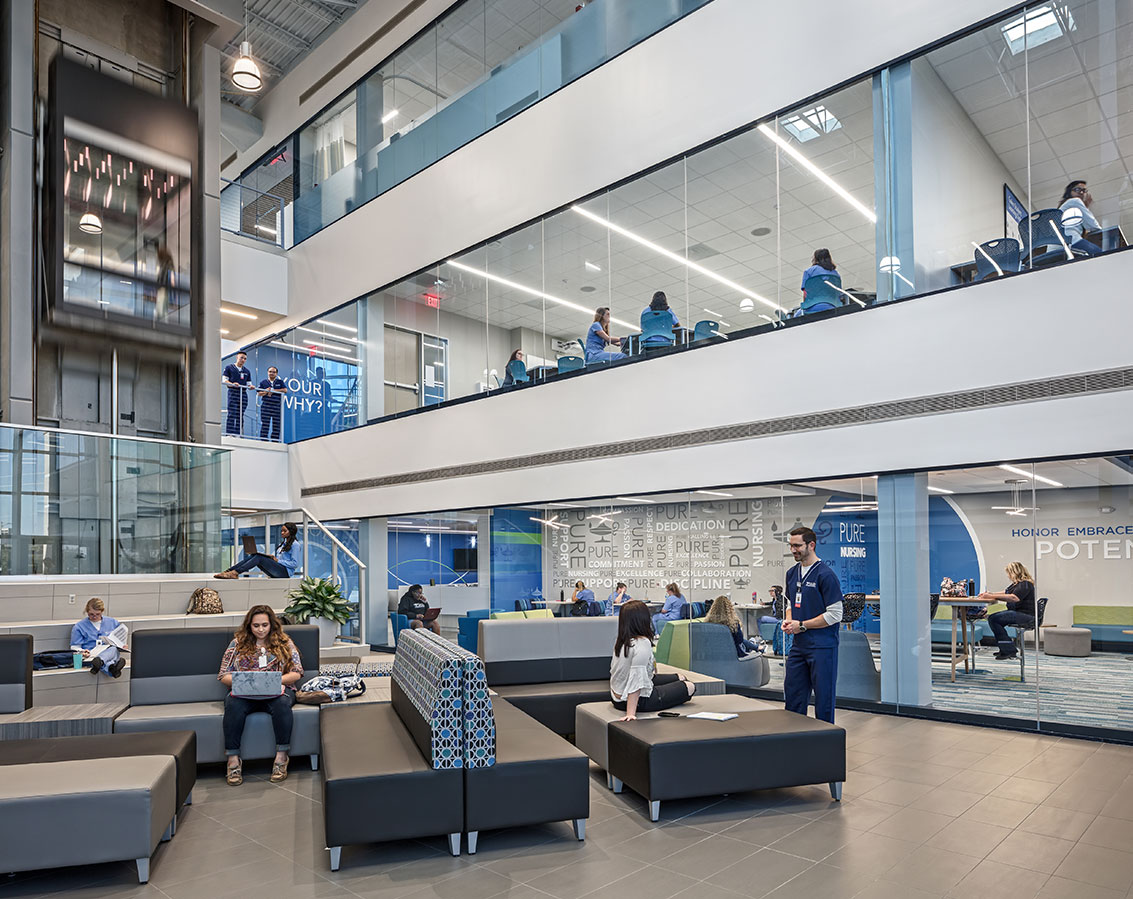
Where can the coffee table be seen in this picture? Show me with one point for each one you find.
(62, 721)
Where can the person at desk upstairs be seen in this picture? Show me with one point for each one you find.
(287, 560)
(271, 392)
(1077, 218)
(237, 379)
(1020, 612)
(260, 645)
(659, 303)
(517, 356)
(598, 338)
(821, 263)
(615, 599)
(634, 684)
(723, 612)
(90, 632)
(583, 599)
(673, 609)
(413, 606)
(814, 609)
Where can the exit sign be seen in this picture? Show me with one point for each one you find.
(434, 302)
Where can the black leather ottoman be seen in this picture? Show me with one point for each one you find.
(181, 744)
(553, 704)
(678, 758)
(538, 777)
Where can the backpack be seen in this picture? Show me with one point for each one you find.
(204, 601)
(580, 609)
(329, 688)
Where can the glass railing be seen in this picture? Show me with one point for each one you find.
(81, 503)
(985, 158)
(455, 81)
(252, 213)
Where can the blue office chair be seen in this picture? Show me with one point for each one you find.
(1003, 252)
(820, 293)
(705, 329)
(523, 605)
(1043, 233)
(656, 328)
(518, 371)
(570, 363)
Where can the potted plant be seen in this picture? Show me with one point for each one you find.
(319, 601)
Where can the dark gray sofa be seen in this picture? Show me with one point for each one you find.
(15, 673)
(173, 686)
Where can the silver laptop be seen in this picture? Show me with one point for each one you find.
(257, 684)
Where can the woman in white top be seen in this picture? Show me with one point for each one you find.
(634, 685)
(1077, 218)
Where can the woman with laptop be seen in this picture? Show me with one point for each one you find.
(287, 560)
(415, 607)
(260, 668)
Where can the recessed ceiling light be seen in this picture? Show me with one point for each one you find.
(223, 330)
(794, 153)
(323, 321)
(389, 116)
(760, 232)
(1038, 26)
(714, 493)
(593, 266)
(237, 313)
(1027, 474)
(932, 489)
(587, 288)
(810, 123)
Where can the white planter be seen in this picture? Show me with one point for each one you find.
(328, 630)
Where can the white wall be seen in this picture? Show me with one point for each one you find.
(957, 181)
(260, 475)
(965, 339)
(252, 275)
(628, 115)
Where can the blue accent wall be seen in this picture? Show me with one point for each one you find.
(517, 557)
(412, 562)
(951, 551)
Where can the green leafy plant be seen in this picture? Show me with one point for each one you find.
(317, 597)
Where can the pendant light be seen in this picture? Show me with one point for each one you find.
(90, 223)
(245, 72)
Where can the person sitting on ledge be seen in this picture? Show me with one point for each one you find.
(89, 637)
(634, 684)
(287, 559)
(413, 606)
(1020, 612)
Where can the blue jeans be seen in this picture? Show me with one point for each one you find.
(1000, 621)
(237, 709)
(265, 563)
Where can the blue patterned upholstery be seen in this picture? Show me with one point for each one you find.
(479, 720)
(432, 679)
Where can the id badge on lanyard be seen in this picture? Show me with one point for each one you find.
(799, 590)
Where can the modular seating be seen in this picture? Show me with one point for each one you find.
(548, 667)
(1107, 625)
(174, 686)
(520, 615)
(446, 756)
(858, 677)
(709, 649)
(15, 673)
(679, 758)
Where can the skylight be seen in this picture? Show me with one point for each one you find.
(810, 123)
(1038, 26)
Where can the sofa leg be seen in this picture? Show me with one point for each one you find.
(654, 809)
(580, 828)
(189, 798)
(335, 856)
(473, 836)
(615, 784)
(143, 869)
(170, 828)
(609, 781)
(836, 790)
(454, 843)
(314, 761)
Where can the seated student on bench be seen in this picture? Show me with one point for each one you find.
(634, 684)
(413, 606)
(90, 632)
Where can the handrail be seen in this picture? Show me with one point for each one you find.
(109, 436)
(252, 189)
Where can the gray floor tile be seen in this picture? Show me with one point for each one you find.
(1023, 789)
(862, 814)
(1061, 888)
(1004, 812)
(586, 875)
(994, 880)
(648, 883)
(765, 829)
(1057, 822)
(884, 889)
(1097, 865)
(818, 839)
(1113, 833)
(871, 853)
(1031, 850)
(1078, 799)
(664, 842)
(706, 858)
(822, 880)
(912, 825)
(471, 883)
(898, 792)
(759, 874)
(947, 801)
(929, 868)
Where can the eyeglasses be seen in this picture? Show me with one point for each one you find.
(1078, 190)
(797, 545)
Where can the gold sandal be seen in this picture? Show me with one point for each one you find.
(235, 775)
(279, 772)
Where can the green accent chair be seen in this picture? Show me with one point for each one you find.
(1106, 624)
(672, 648)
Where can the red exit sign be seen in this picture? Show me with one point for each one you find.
(432, 300)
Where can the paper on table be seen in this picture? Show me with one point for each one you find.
(714, 716)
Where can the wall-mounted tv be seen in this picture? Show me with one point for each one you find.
(464, 560)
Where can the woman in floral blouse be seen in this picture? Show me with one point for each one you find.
(260, 645)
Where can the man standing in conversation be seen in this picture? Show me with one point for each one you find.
(814, 610)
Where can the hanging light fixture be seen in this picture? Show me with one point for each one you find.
(245, 72)
(90, 223)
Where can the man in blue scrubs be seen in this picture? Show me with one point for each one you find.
(814, 610)
(271, 389)
(236, 378)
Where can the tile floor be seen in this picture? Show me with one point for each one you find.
(930, 810)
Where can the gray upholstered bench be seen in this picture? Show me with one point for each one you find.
(592, 721)
(678, 758)
(58, 806)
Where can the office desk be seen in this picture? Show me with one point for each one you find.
(960, 606)
(1106, 239)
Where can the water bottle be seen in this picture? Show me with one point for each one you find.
(971, 587)
(77, 660)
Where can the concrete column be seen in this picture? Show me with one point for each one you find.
(373, 540)
(484, 551)
(17, 211)
(372, 347)
(204, 363)
(902, 538)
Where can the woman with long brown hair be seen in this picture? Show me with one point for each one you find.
(634, 684)
(260, 645)
(723, 612)
(1020, 612)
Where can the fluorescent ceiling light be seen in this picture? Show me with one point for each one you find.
(306, 351)
(594, 267)
(855, 502)
(267, 229)
(1027, 474)
(563, 505)
(793, 152)
(635, 499)
(323, 321)
(719, 319)
(533, 292)
(714, 493)
(236, 312)
(324, 334)
(223, 330)
(389, 116)
(668, 254)
(932, 489)
(1037, 27)
(811, 123)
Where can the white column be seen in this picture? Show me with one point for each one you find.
(373, 539)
